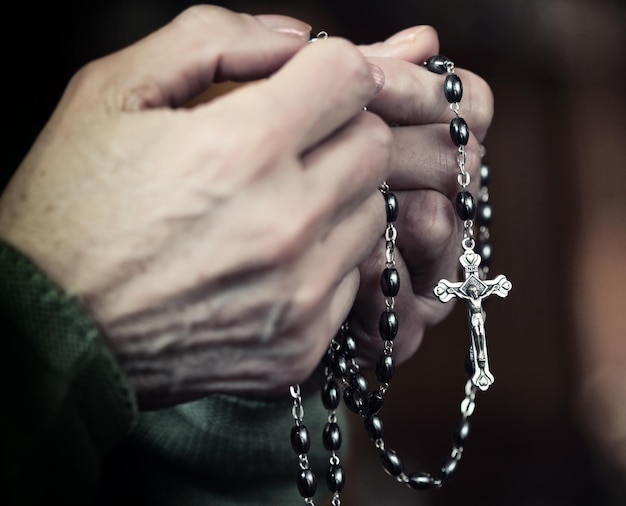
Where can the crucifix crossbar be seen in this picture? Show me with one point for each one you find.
(474, 290)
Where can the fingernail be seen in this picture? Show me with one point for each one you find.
(286, 25)
(378, 75)
(407, 35)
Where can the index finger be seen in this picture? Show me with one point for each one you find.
(315, 93)
(412, 95)
(201, 45)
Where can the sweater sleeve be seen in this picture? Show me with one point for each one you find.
(65, 401)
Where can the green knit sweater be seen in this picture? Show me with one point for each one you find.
(70, 430)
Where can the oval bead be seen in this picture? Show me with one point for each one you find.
(307, 483)
(448, 469)
(391, 206)
(335, 478)
(483, 213)
(385, 368)
(374, 427)
(373, 404)
(459, 132)
(465, 206)
(390, 282)
(391, 462)
(359, 382)
(437, 64)
(453, 88)
(388, 325)
(331, 395)
(484, 174)
(421, 481)
(339, 365)
(332, 436)
(348, 345)
(483, 248)
(300, 439)
(461, 433)
(353, 399)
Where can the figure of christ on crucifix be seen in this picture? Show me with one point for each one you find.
(474, 290)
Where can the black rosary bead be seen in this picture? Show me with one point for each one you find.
(391, 462)
(421, 481)
(374, 427)
(483, 248)
(461, 433)
(484, 174)
(453, 88)
(388, 325)
(335, 478)
(359, 383)
(385, 368)
(391, 205)
(332, 436)
(373, 404)
(348, 345)
(339, 365)
(331, 395)
(353, 400)
(459, 132)
(307, 483)
(448, 469)
(437, 64)
(465, 206)
(300, 440)
(483, 213)
(390, 282)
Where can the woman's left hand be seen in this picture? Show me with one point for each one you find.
(424, 180)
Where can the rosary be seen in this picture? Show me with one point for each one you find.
(343, 377)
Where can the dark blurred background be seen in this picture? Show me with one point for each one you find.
(552, 429)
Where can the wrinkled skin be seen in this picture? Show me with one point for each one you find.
(218, 247)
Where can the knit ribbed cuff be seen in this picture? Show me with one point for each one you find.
(59, 333)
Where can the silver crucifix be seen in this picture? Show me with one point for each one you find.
(474, 290)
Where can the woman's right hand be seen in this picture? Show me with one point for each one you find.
(215, 246)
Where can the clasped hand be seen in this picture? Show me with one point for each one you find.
(219, 247)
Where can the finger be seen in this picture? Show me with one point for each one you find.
(414, 44)
(347, 244)
(307, 204)
(327, 290)
(201, 45)
(427, 250)
(429, 237)
(314, 94)
(316, 329)
(319, 90)
(335, 210)
(412, 95)
(349, 167)
(424, 157)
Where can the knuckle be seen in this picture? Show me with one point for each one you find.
(347, 61)
(480, 104)
(292, 237)
(309, 296)
(435, 218)
(87, 79)
(203, 14)
(473, 163)
(382, 136)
